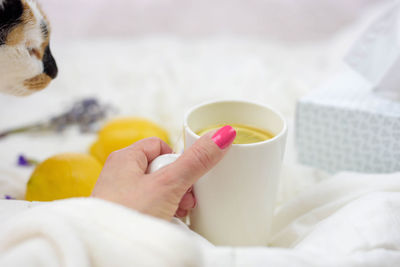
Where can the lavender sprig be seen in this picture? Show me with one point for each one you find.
(26, 162)
(85, 114)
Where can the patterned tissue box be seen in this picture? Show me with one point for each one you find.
(345, 126)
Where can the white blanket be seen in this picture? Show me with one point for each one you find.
(348, 220)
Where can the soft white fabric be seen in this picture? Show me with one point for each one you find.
(348, 220)
(90, 232)
(292, 221)
(160, 78)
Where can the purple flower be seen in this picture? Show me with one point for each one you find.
(8, 197)
(26, 162)
(22, 161)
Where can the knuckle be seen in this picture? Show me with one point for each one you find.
(202, 158)
(167, 184)
(155, 142)
(154, 139)
(113, 156)
(168, 180)
(129, 153)
(149, 141)
(141, 161)
(125, 154)
(165, 178)
(132, 155)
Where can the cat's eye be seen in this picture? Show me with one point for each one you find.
(34, 52)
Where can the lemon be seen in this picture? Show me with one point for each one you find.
(122, 132)
(63, 176)
(245, 134)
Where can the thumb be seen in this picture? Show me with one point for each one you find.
(201, 157)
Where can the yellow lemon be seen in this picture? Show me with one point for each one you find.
(122, 132)
(63, 176)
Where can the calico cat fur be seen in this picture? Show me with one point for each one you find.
(26, 62)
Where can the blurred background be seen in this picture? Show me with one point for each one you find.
(157, 58)
(289, 20)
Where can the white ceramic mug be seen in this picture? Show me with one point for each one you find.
(236, 199)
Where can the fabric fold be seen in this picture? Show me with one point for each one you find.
(92, 232)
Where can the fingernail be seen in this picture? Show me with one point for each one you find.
(224, 136)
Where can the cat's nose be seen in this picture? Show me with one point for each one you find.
(49, 64)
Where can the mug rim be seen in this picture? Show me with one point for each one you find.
(279, 114)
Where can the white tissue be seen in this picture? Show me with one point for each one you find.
(376, 55)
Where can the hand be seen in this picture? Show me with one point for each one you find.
(166, 192)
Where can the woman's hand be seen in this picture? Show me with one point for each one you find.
(166, 192)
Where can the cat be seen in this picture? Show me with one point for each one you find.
(26, 62)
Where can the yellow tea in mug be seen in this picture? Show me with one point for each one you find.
(245, 134)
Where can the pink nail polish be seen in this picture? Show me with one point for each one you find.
(224, 136)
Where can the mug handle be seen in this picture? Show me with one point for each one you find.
(162, 161)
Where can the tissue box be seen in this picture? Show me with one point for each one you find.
(345, 126)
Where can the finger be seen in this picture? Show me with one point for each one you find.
(144, 151)
(181, 213)
(200, 157)
(188, 201)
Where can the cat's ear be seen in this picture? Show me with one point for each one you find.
(10, 16)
